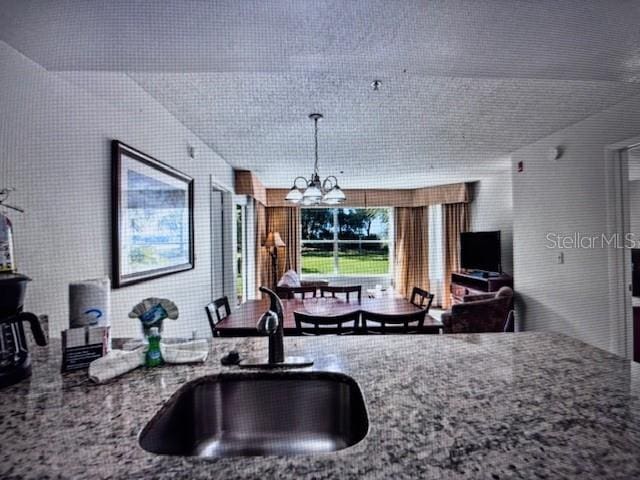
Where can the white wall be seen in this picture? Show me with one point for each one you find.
(568, 195)
(55, 150)
(492, 209)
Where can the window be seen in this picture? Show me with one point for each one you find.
(436, 254)
(345, 241)
(240, 252)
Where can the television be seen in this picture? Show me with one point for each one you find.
(480, 251)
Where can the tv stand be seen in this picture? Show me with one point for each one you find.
(463, 283)
(481, 274)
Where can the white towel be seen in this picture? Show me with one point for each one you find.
(119, 362)
(114, 364)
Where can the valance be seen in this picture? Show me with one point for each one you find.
(416, 197)
(247, 183)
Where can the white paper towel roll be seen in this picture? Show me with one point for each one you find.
(90, 303)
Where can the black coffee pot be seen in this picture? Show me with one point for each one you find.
(15, 361)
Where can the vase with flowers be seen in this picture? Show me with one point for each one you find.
(151, 312)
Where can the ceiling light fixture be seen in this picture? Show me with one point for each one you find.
(314, 192)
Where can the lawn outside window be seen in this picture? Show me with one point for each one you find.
(346, 241)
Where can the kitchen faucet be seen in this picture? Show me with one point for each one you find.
(272, 323)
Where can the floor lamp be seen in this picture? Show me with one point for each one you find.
(274, 241)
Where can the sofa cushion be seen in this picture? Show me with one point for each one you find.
(290, 279)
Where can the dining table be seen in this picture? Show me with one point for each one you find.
(243, 319)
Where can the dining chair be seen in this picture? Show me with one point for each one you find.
(420, 297)
(393, 323)
(216, 311)
(327, 325)
(346, 290)
(291, 292)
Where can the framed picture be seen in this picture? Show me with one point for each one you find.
(152, 217)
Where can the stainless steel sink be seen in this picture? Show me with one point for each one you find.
(234, 414)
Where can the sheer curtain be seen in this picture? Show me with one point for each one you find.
(436, 254)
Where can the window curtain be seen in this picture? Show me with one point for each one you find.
(411, 251)
(286, 221)
(436, 254)
(455, 221)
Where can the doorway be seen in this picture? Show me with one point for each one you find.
(633, 231)
(622, 168)
(221, 242)
(217, 243)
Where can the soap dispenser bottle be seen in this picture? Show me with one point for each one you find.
(153, 358)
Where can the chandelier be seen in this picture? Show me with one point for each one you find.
(313, 191)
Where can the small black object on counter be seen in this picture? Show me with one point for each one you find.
(231, 358)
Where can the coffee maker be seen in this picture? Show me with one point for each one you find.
(15, 361)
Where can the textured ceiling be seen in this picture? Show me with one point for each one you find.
(568, 39)
(413, 131)
(464, 82)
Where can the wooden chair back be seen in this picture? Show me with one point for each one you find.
(346, 290)
(216, 311)
(421, 298)
(396, 323)
(327, 325)
(291, 292)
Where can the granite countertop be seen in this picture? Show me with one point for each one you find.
(495, 406)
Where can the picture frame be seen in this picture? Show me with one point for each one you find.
(152, 217)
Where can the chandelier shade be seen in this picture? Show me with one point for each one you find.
(313, 191)
(294, 195)
(335, 195)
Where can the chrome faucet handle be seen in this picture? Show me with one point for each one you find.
(268, 323)
(271, 322)
(275, 304)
